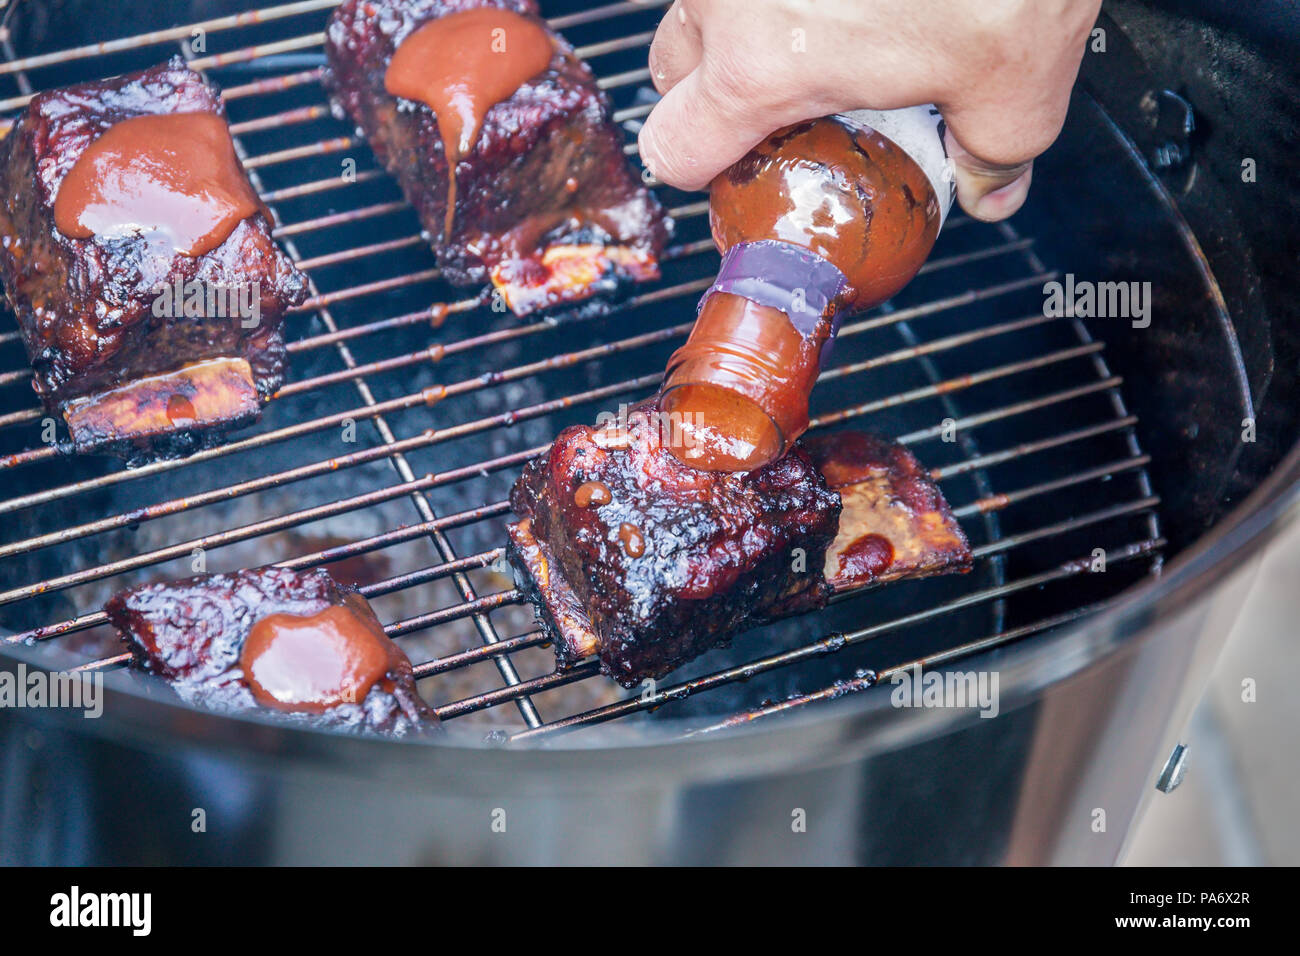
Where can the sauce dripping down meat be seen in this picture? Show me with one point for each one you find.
(175, 174)
(462, 65)
(314, 662)
(592, 493)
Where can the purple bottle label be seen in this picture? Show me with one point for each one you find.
(785, 277)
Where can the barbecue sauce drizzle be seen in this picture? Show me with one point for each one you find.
(462, 65)
(309, 663)
(175, 174)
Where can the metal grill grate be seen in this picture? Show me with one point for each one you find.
(1017, 412)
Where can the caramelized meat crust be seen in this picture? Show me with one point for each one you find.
(676, 560)
(546, 205)
(646, 563)
(192, 632)
(85, 307)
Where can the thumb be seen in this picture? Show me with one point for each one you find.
(993, 142)
(697, 130)
(988, 191)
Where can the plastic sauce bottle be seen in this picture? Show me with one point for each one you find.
(824, 217)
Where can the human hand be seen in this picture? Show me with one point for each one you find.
(734, 71)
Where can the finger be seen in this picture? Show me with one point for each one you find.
(676, 49)
(988, 191)
(696, 131)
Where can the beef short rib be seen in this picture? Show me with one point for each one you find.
(630, 555)
(675, 560)
(128, 377)
(194, 633)
(546, 206)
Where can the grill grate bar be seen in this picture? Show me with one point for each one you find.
(503, 695)
(360, 252)
(472, 656)
(293, 117)
(992, 503)
(941, 305)
(320, 301)
(307, 41)
(872, 678)
(474, 606)
(320, 186)
(248, 54)
(158, 37)
(325, 147)
(273, 84)
(434, 436)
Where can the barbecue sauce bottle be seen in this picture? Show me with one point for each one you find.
(824, 217)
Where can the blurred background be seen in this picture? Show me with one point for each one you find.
(1237, 803)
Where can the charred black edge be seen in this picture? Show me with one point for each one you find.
(163, 446)
(811, 598)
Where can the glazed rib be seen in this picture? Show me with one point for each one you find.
(193, 632)
(722, 551)
(546, 207)
(125, 379)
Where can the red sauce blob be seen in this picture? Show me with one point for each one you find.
(629, 535)
(592, 493)
(180, 410)
(462, 65)
(867, 557)
(175, 174)
(314, 662)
